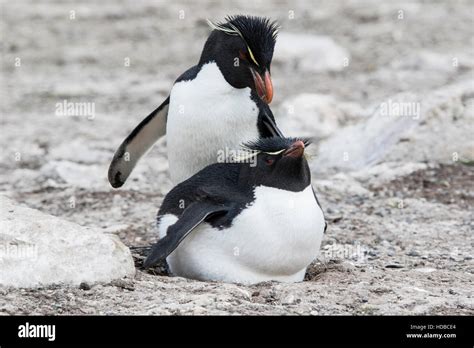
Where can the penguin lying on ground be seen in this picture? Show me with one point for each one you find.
(243, 222)
(225, 94)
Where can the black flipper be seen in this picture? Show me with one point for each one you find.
(140, 140)
(192, 216)
(317, 201)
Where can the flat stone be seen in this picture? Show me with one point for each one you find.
(37, 249)
(405, 126)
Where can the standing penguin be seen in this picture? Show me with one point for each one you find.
(243, 222)
(226, 94)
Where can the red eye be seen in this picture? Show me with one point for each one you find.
(269, 161)
(242, 55)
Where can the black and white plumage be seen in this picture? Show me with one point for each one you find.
(243, 223)
(226, 94)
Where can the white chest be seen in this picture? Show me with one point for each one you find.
(207, 117)
(276, 238)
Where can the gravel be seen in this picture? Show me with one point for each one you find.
(400, 236)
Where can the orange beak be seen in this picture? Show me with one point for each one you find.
(263, 85)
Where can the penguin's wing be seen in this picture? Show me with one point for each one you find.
(192, 216)
(317, 201)
(140, 140)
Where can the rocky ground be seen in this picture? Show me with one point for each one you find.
(397, 187)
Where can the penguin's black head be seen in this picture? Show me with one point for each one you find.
(242, 47)
(280, 163)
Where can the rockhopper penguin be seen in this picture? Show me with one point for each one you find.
(247, 222)
(225, 94)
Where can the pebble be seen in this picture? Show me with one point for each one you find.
(393, 265)
(84, 286)
(413, 253)
(290, 299)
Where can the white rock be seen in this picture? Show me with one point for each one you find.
(37, 249)
(385, 172)
(76, 174)
(316, 115)
(444, 131)
(406, 127)
(289, 299)
(356, 146)
(79, 151)
(425, 270)
(311, 53)
(414, 288)
(341, 184)
(309, 115)
(245, 293)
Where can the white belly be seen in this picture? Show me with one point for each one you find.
(206, 118)
(274, 240)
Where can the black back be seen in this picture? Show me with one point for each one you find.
(219, 192)
(233, 184)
